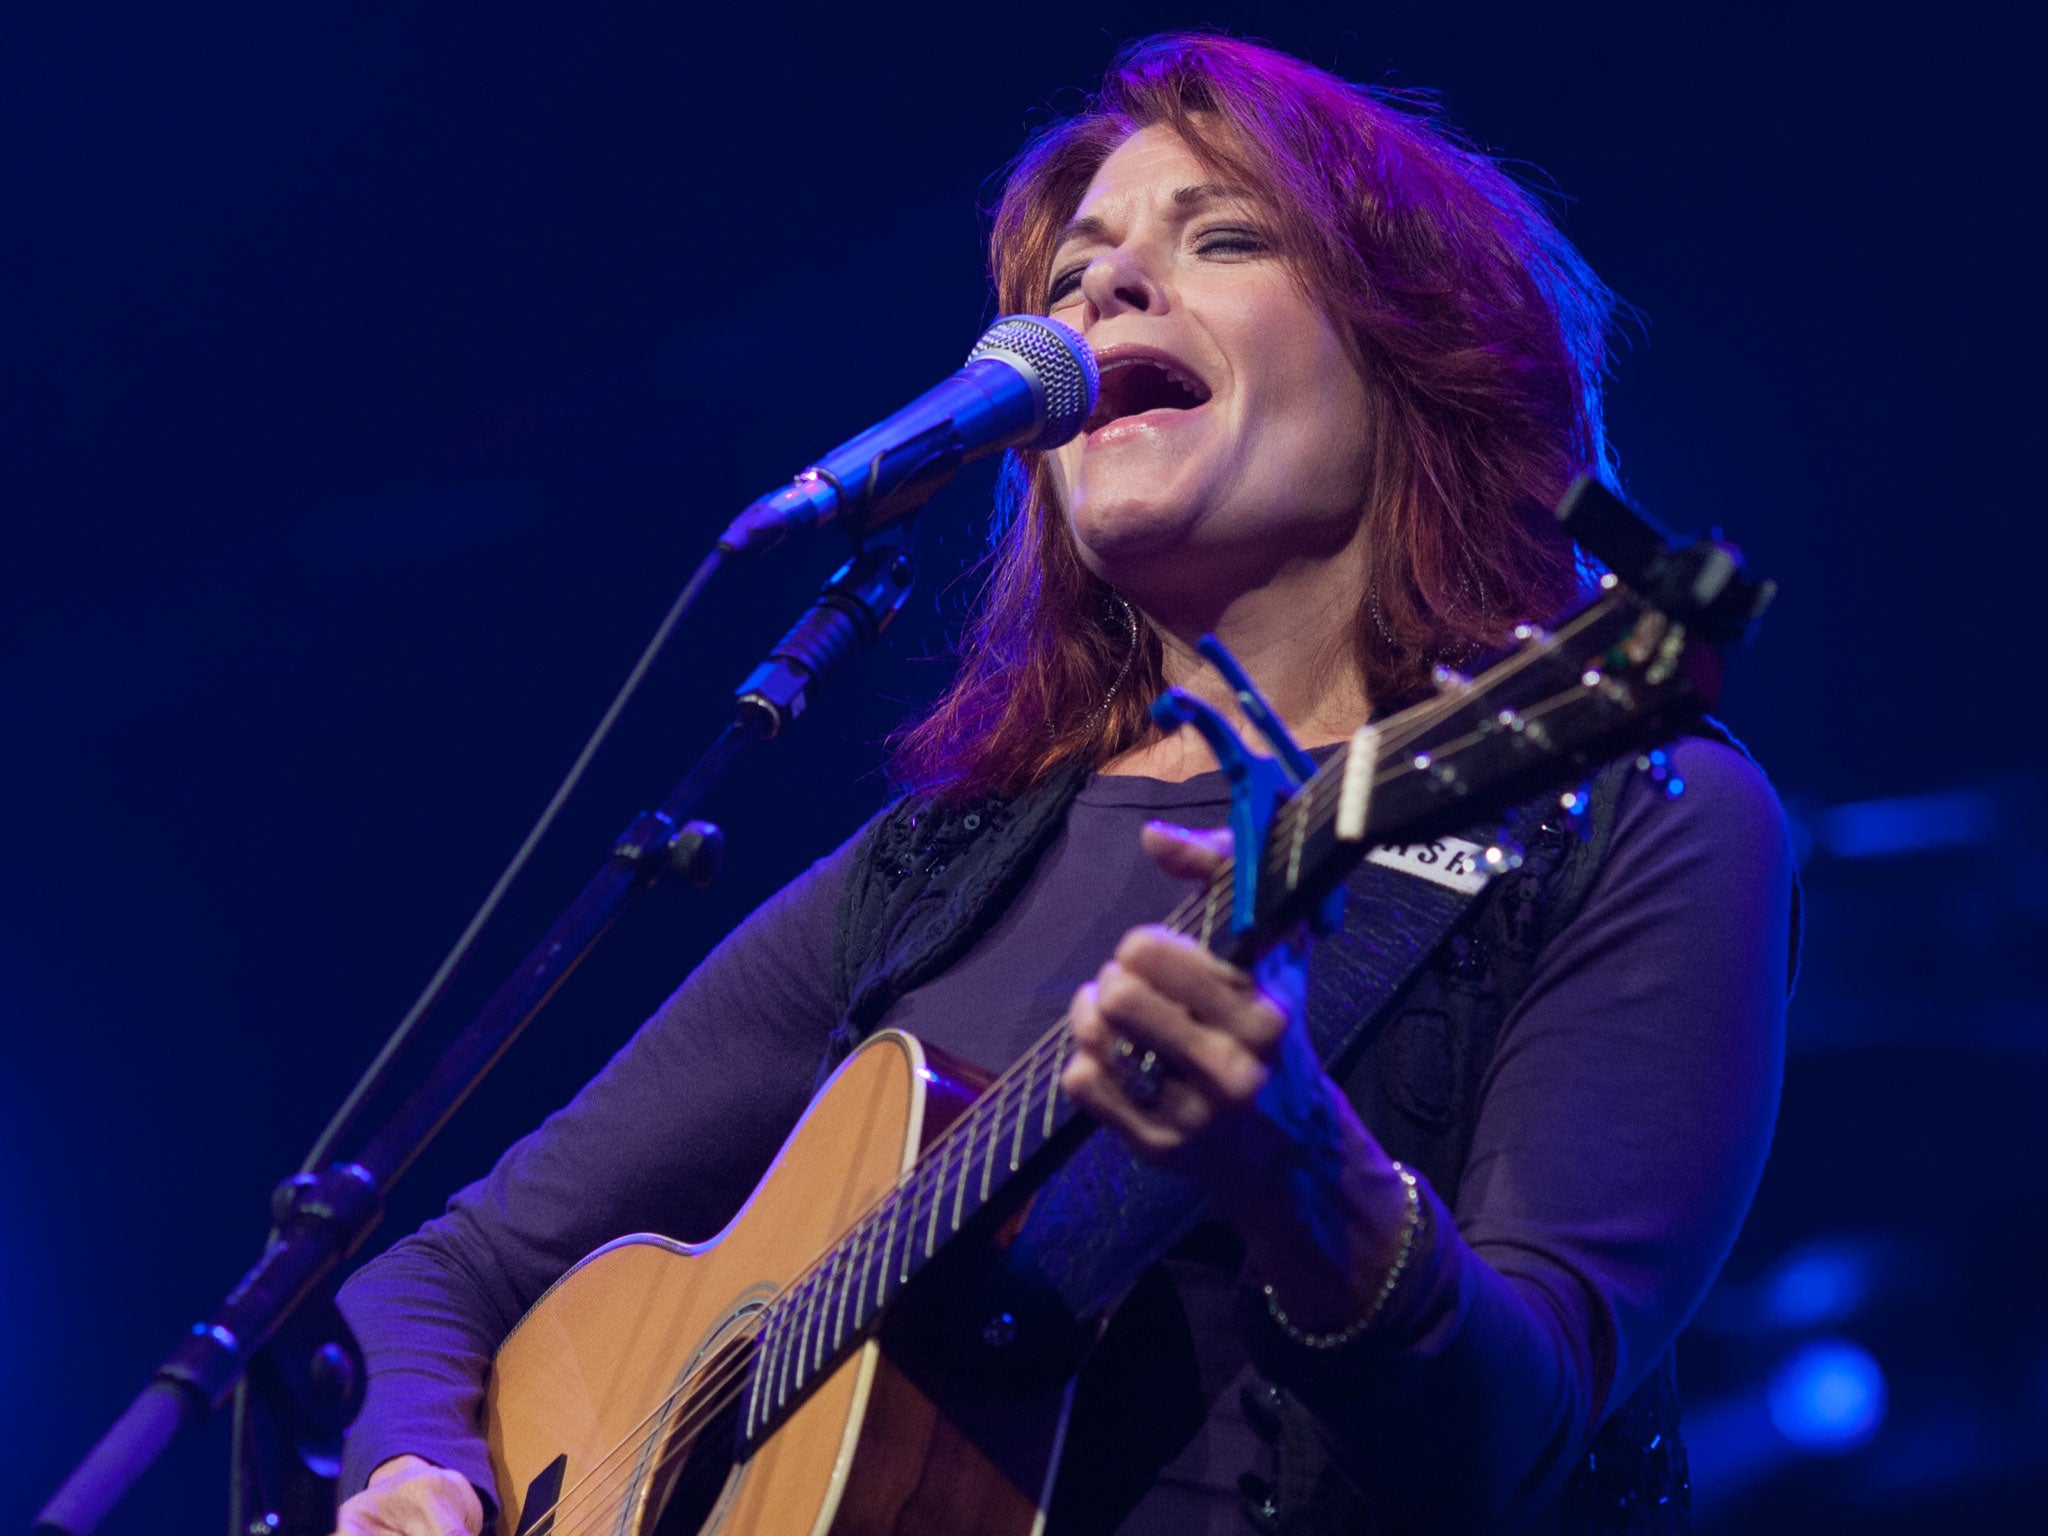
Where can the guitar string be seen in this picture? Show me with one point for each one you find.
(1313, 795)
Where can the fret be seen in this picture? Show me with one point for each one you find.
(1209, 911)
(923, 1205)
(1023, 1109)
(857, 1268)
(966, 1166)
(889, 1243)
(909, 1232)
(805, 1291)
(858, 1282)
(995, 1133)
(1052, 1090)
(823, 1341)
(816, 1284)
(1298, 809)
(784, 1352)
(938, 1182)
(765, 1366)
(760, 1361)
(845, 1278)
(821, 1310)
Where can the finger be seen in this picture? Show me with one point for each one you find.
(1184, 852)
(1109, 1044)
(1179, 1113)
(1213, 992)
(1114, 1015)
(1121, 1003)
(431, 1502)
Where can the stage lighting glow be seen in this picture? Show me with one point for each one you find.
(1828, 1398)
(1820, 1284)
(1911, 824)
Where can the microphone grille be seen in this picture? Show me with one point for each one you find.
(1062, 363)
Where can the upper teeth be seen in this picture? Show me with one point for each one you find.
(1179, 375)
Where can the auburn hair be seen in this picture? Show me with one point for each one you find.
(1482, 340)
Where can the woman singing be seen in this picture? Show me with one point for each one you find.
(1348, 367)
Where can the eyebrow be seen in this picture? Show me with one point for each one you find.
(1186, 199)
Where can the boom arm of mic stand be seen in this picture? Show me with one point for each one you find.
(324, 1217)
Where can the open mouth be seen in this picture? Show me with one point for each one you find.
(1134, 385)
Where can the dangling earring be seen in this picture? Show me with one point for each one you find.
(1379, 618)
(1473, 583)
(1130, 617)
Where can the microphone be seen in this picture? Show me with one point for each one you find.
(1030, 382)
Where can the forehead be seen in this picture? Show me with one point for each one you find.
(1152, 166)
(1145, 159)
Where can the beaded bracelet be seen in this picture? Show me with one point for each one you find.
(1411, 1224)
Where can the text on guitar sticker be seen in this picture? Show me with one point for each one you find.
(1447, 861)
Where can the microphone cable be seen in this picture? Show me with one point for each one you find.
(378, 1073)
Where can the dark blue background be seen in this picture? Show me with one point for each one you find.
(372, 380)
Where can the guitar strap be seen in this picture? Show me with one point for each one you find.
(1105, 1216)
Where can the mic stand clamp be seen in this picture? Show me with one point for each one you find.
(859, 600)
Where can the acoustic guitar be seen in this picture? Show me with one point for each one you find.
(782, 1378)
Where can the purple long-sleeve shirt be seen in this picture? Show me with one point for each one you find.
(1622, 1128)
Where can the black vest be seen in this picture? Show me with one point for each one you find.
(931, 876)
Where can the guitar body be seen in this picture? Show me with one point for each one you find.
(604, 1412)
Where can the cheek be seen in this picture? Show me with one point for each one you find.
(1300, 374)
(1327, 402)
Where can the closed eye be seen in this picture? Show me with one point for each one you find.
(1231, 242)
(1064, 283)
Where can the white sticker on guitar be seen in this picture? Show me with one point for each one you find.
(1448, 861)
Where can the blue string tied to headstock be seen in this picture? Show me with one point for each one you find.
(1258, 784)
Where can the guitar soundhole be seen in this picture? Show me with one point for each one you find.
(701, 1481)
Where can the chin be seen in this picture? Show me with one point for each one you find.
(1120, 538)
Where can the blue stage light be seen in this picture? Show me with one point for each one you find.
(1820, 1284)
(1828, 1398)
(1872, 829)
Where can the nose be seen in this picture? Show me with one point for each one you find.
(1117, 282)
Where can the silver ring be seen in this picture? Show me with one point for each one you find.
(1140, 1073)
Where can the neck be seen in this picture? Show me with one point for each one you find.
(1294, 636)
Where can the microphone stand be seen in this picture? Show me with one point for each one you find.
(279, 1325)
